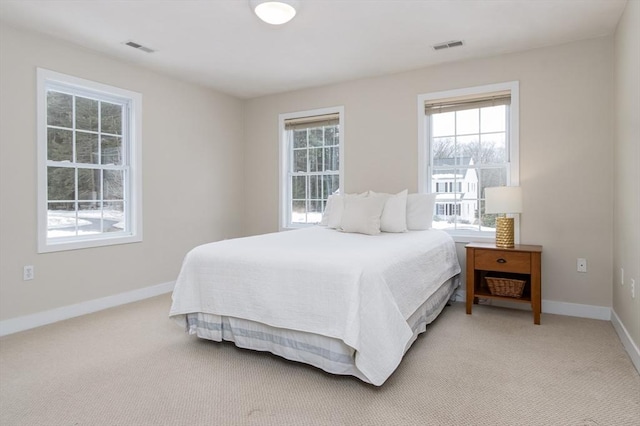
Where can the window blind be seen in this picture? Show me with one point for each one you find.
(313, 121)
(441, 106)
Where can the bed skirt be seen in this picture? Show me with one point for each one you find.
(329, 354)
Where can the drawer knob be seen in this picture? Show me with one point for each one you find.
(501, 260)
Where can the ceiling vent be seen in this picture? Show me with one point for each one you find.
(448, 45)
(139, 47)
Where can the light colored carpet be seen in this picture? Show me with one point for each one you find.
(132, 365)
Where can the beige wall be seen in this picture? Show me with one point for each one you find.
(191, 134)
(192, 185)
(566, 150)
(626, 251)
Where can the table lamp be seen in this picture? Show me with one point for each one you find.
(503, 200)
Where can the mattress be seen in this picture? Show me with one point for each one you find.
(358, 289)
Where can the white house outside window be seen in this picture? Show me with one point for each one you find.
(89, 182)
(311, 164)
(469, 141)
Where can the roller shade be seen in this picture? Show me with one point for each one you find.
(310, 122)
(440, 106)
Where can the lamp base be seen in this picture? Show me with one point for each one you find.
(504, 232)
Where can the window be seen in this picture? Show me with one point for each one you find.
(447, 209)
(468, 142)
(89, 181)
(311, 164)
(448, 186)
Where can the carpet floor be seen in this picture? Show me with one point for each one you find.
(132, 365)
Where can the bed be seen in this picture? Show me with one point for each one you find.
(347, 303)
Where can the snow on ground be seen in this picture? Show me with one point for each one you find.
(62, 223)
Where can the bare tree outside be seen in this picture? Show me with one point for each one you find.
(84, 134)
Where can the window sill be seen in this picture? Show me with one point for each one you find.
(466, 239)
(50, 247)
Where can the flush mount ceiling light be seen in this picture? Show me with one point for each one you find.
(274, 12)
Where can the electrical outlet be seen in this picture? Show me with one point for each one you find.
(28, 273)
(582, 264)
(633, 288)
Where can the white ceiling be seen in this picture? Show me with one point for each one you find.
(223, 45)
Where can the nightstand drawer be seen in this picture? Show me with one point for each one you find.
(503, 261)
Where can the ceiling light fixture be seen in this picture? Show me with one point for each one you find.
(274, 12)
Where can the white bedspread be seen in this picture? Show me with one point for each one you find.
(356, 288)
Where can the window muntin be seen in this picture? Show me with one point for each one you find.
(469, 142)
(89, 177)
(315, 172)
(312, 169)
(466, 155)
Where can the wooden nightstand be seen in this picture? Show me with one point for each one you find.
(521, 263)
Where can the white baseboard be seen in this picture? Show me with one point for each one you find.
(576, 310)
(627, 341)
(554, 307)
(26, 322)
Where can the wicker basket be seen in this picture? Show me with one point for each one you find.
(505, 286)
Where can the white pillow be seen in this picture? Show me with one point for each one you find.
(362, 215)
(394, 214)
(420, 211)
(328, 209)
(332, 215)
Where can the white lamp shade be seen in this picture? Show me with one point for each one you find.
(503, 199)
(274, 12)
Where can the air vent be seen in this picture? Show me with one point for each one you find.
(448, 45)
(139, 47)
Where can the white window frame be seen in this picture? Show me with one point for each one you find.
(285, 187)
(513, 170)
(132, 131)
